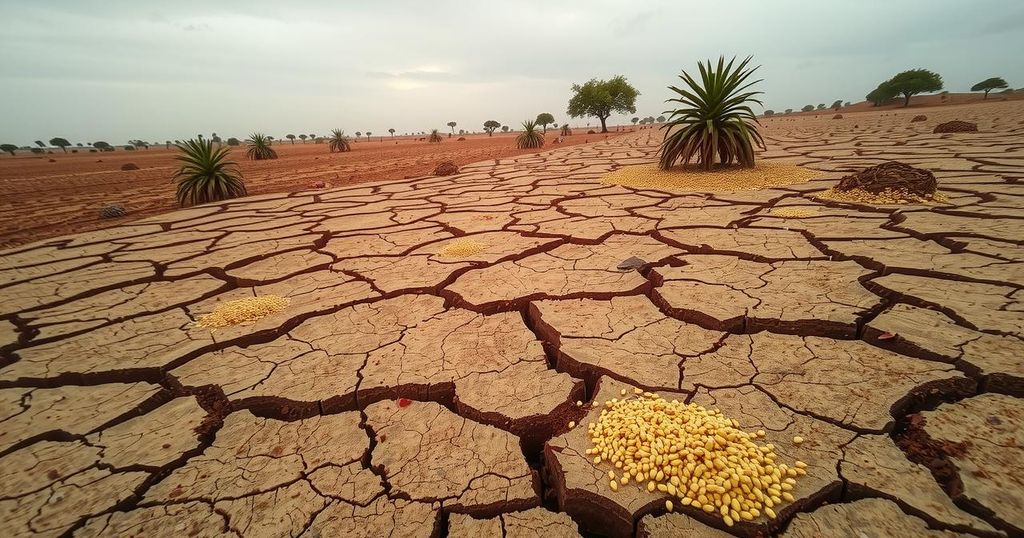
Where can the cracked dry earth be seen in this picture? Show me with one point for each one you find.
(409, 392)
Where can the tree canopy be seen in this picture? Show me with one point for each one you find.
(989, 84)
(807, 108)
(600, 98)
(490, 126)
(101, 145)
(913, 82)
(9, 148)
(544, 119)
(61, 143)
(882, 94)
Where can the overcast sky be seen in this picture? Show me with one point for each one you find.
(116, 70)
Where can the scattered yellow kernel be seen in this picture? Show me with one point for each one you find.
(668, 505)
(765, 175)
(242, 310)
(797, 440)
(885, 197)
(572, 424)
(460, 248)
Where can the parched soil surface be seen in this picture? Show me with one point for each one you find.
(66, 195)
(411, 389)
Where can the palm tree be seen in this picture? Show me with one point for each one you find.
(715, 119)
(392, 131)
(530, 138)
(205, 174)
(435, 137)
(338, 141)
(258, 147)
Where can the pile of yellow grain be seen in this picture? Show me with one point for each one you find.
(242, 310)
(697, 456)
(885, 197)
(794, 212)
(764, 175)
(460, 248)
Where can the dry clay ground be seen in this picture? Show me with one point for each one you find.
(889, 338)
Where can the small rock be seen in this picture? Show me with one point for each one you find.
(630, 264)
(956, 126)
(319, 185)
(919, 117)
(129, 166)
(112, 211)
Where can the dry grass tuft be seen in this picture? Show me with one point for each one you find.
(242, 310)
(460, 248)
(764, 175)
(794, 212)
(885, 197)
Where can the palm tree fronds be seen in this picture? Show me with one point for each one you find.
(530, 138)
(257, 147)
(714, 119)
(206, 175)
(338, 141)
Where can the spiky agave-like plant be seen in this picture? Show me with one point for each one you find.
(257, 147)
(529, 138)
(715, 118)
(566, 131)
(206, 175)
(338, 141)
(435, 137)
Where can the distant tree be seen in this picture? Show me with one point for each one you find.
(358, 134)
(882, 94)
(504, 128)
(846, 103)
(789, 111)
(338, 141)
(368, 133)
(312, 137)
(9, 148)
(452, 125)
(102, 146)
(214, 138)
(989, 84)
(167, 144)
(435, 137)
(490, 126)
(544, 119)
(821, 106)
(768, 113)
(257, 147)
(392, 131)
(837, 104)
(290, 137)
(635, 120)
(600, 98)
(234, 141)
(79, 144)
(807, 108)
(303, 138)
(915, 81)
(63, 143)
(40, 143)
(661, 119)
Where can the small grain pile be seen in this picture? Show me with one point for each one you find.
(888, 183)
(446, 168)
(460, 248)
(245, 310)
(793, 212)
(764, 175)
(956, 126)
(695, 456)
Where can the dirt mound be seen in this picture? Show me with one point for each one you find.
(892, 175)
(461, 139)
(837, 117)
(446, 168)
(956, 126)
(129, 166)
(919, 117)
